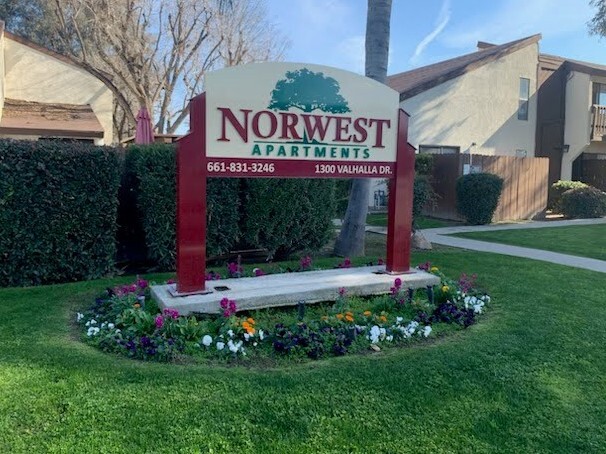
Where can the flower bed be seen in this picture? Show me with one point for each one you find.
(126, 321)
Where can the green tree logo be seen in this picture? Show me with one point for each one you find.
(308, 91)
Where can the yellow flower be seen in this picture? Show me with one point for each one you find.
(246, 325)
(445, 288)
(340, 316)
(137, 305)
(349, 318)
(250, 330)
(434, 269)
(349, 313)
(367, 313)
(251, 321)
(383, 318)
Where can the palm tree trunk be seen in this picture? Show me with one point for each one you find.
(351, 239)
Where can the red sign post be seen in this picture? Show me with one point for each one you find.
(326, 140)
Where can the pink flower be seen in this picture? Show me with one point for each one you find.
(159, 321)
(305, 262)
(398, 282)
(229, 307)
(172, 313)
(380, 262)
(259, 272)
(142, 283)
(342, 292)
(170, 281)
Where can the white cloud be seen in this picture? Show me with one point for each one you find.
(440, 25)
(515, 19)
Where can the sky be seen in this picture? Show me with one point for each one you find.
(331, 32)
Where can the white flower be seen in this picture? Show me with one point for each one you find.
(79, 316)
(427, 331)
(389, 338)
(261, 334)
(411, 328)
(246, 337)
(220, 345)
(92, 331)
(87, 323)
(230, 333)
(374, 334)
(486, 298)
(477, 308)
(103, 325)
(234, 347)
(93, 321)
(207, 340)
(399, 320)
(111, 325)
(118, 331)
(255, 344)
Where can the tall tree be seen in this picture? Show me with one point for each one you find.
(154, 53)
(597, 25)
(351, 239)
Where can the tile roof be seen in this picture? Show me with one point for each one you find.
(415, 81)
(49, 119)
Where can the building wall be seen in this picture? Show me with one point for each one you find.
(578, 119)
(31, 75)
(479, 107)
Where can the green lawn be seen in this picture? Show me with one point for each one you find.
(583, 240)
(380, 219)
(531, 377)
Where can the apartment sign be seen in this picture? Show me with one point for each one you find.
(299, 120)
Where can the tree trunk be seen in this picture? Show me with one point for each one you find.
(351, 239)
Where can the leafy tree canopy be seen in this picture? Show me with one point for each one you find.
(308, 91)
(597, 25)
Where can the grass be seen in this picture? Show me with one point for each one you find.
(583, 240)
(380, 219)
(531, 377)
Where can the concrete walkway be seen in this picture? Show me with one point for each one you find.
(440, 236)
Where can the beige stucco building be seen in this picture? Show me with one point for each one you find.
(480, 103)
(45, 95)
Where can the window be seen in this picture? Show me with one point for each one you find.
(599, 94)
(438, 149)
(523, 102)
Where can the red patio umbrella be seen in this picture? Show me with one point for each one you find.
(144, 133)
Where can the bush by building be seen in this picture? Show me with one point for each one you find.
(478, 196)
(583, 202)
(558, 188)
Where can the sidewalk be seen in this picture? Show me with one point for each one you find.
(440, 236)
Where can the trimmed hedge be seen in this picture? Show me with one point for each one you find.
(155, 169)
(583, 202)
(58, 209)
(288, 215)
(478, 196)
(280, 215)
(558, 188)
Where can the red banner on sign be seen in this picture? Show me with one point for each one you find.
(291, 168)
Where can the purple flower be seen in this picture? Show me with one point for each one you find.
(398, 282)
(342, 292)
(172, 313)
(229, 307)
(159, 321)
(234, 269)
(305, 262)
(258, 272)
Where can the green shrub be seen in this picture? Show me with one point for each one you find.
(155, 169)
(422, 195)
(58, 208)
(478, 196)
(288, 215)
(558, 188)
(423, 164)
(583, 202)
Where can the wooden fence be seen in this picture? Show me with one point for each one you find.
(525, 185)
(594, 173)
